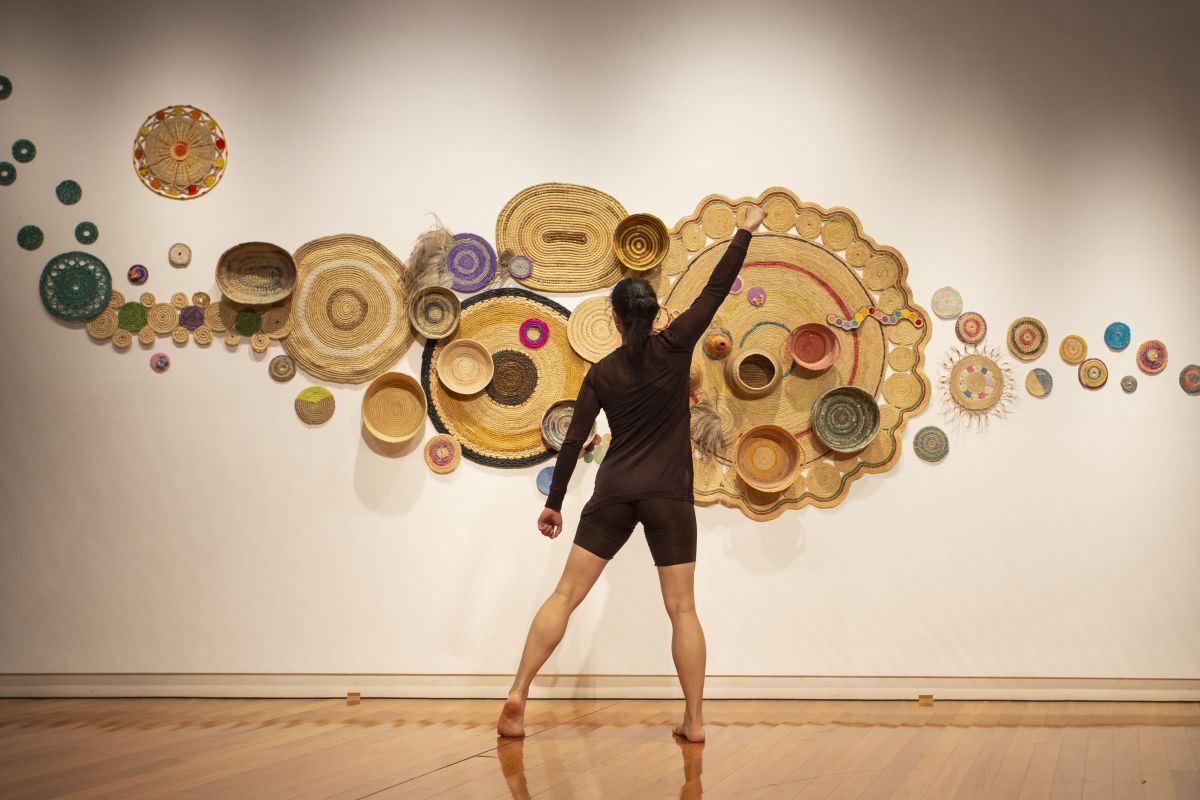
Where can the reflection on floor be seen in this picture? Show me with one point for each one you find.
(382, 749)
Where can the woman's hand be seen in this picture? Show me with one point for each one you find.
(754, 217)
(550, 523)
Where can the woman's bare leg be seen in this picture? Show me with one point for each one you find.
(687, 644)
(546, 631)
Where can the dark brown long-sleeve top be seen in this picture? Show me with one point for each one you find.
(647, 406)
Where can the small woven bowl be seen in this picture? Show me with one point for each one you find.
(258, 273)
(824, 423)
(553, 431)
(393, 407)
(434, 296)
(813, 346)
(465, 378)
(752, 372)
(768, 457)
(640, 241)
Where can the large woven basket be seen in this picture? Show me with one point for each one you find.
(393, 407)
(257, 273)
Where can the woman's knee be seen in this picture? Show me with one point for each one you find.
(678, 605)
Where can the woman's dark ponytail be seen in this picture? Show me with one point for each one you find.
(636, 305)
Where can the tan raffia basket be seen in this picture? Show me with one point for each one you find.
(640, 241)
(753, 372)
(464, 366)
(434, 311)
(393, 407)
(768, 457)
(258, 273)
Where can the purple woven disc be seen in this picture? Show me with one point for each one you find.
(520, 267)
(472, 262)
(191, 317)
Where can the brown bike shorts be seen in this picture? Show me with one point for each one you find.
(669, 523)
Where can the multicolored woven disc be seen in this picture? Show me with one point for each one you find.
(1027, 338)
(970, 328)
(534, 332)
(1073, 349)
(472, 262)
(314, 405)
(179, 152)
(947, 303)
(1093, 373)
(75, 286)
(160, 362)
(520, 267)
(1189, 379)
(976, 382)
(1152, 356)
(930, 444)
(1039, 382)
(442, 453)
(138, 274)
(1117, 336)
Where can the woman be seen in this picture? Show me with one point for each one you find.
(646, 477)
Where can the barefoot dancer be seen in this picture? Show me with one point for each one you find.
(645, 477)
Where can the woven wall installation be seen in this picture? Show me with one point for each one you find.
(179, 152)
(566, 230)
(349, 309)
(501, 426)
(811, 262)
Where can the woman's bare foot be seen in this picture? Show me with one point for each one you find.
(693, 733)
(512, 716)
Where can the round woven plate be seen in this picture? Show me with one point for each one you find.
(768, 458)
(947, 303)
(1039, 382)
(501, 426)
(1129, 384)
(433, 312)
(591, 329)
(813, 346)
(75, 286)
(349, 320)
(1152, 356)
(567, 231)
(976, 383)
(930, 444)
(1073, 349)
(442, 453)
(846, 418)
(179, 255)
(314, 405)
(1093, 373)
(393, 407)
(179, 152)
(640, 241)
(1189, 379)
(260, 273)
(282, 368)
(970, 328)
(557, 420)
(1027, 338)
(471, 262)
(464, 366)
(1117, 336)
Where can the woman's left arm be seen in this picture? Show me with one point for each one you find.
(587, 406)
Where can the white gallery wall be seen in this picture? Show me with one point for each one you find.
(1041, 157)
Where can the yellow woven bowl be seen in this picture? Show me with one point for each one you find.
(465, 366)
(640, 241)
(393, 407)
(768, 458)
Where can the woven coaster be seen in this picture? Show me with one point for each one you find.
(23, 151)
(442, 453)
(5, 87)
(277, 320)
(1073, 349)
(201, 299)
(147, 299)
(8, 173)
(349, 309)
(314, 405)
(931, 445)
(1093, 373)
(122, 339)
(179, 152)
(75, 286)
(215, 316)
(534, 333)
(256, 272)
(566, 230)
(203, 335)
(501, 426)
(145, 336)
(640, 241)
(947, 303)
(846, 418)
(393, 408)
(1129, 384)
(520, 267)
(259, 342)
(116, 300)
(232, 338)
(970, 328)
(191, 317)
(138, 274)
(591, 329)
(162, 318)
(1117, 336)
(30, 237)
(86, 233)
(1152, 356)
(179, 255)
(471, 262)
(180, 335)
(433, 312)
(1189, 379)
(1039, 382)
(1027, 338)
(160, 362)
(68, 192)
(282, 368)
(102, 326)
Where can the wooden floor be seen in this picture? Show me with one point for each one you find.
(262, 749)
